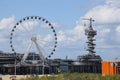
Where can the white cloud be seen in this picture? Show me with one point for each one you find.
(117, 34)
(109, 47)
(77, 30)
(61, 36)
(5, 26)
(113, 3)
(7, 22)
(71, 35)
(104, 31)
(48, 38)
(118, 28)
(105, 14)
(55, 24)
(2, 39)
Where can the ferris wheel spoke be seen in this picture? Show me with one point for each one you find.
(28, 32)
(34, 26)
(45, 43)
(48, 45)
(44, 50)
(47, 48)
(28, 23)
(27, 52)
(21, 28)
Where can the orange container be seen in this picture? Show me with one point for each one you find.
(110, 68)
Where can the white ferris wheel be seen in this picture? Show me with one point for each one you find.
(33, 34)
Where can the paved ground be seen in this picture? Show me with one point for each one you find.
(9, 77)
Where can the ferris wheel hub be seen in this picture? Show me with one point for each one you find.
(34, 38)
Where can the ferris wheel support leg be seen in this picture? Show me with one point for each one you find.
(27, 52)
(15, 67)
(41, 56)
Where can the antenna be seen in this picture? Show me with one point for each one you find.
(91, 20)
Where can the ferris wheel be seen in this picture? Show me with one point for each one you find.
(33, 34)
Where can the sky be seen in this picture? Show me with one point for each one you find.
(67, 18)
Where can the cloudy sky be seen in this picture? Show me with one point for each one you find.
(66, 16)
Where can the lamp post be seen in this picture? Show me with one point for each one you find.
(43, 67)
(15, 65)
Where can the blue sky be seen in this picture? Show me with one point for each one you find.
(64, 11)
(66, 15)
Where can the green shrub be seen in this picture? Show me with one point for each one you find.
(74, 76)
